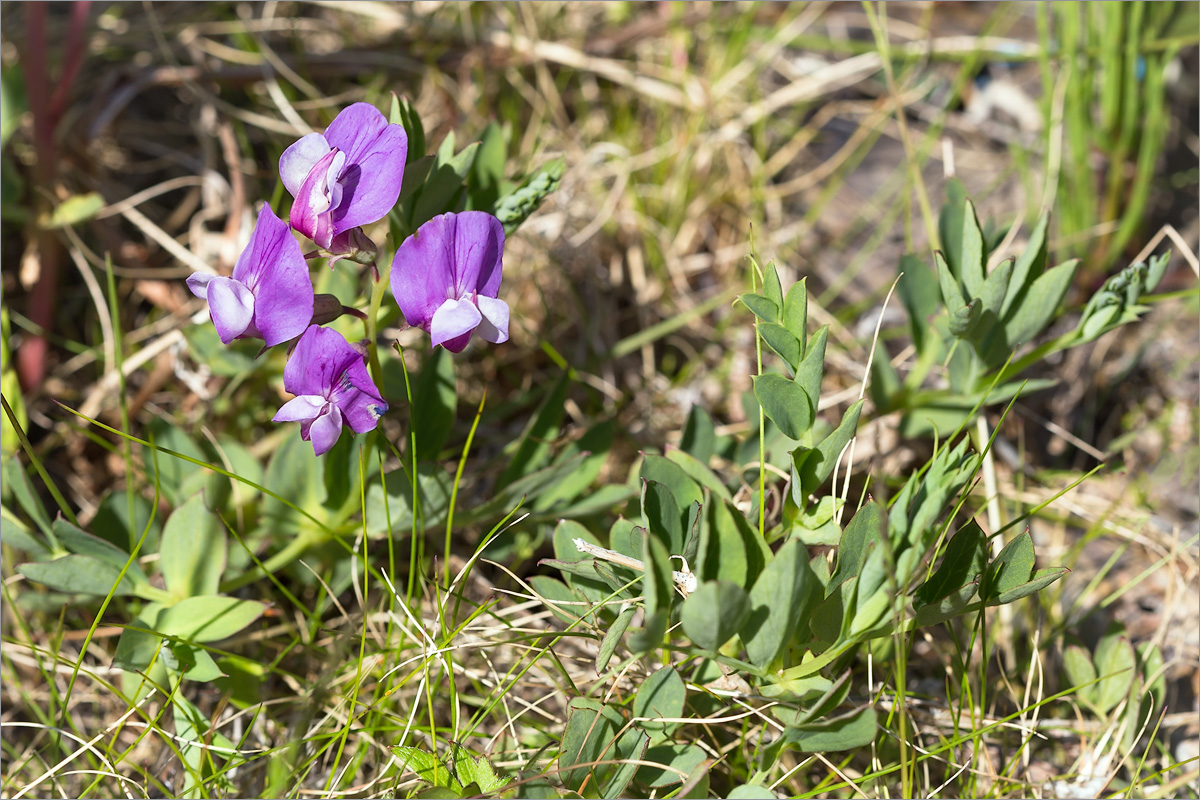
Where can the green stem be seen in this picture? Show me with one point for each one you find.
(372, 321)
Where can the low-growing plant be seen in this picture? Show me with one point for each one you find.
(980, 329)
(721, 600)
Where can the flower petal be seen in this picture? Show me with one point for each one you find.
(479, 253)
(310, 212)
(453, 319)
(374, 172)
(231, 306)
(197, 282)
(306, 407)
(317, 364)
(494, 326)
(325, 430)
(423, 271)
(299, 159)
(358, 399)
(273, 267)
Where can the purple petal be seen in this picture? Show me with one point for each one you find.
(317, 364)
(423, 271)
(299, 159)
(359, 400)
(494, 326)
(374, 172)
(231, 306)
(310, 211)
(325, 430)
(197, 282)
(306, 407)
(273, 267)
(449, 257)
(453, 319)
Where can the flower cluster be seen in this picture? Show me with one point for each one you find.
(445, 277)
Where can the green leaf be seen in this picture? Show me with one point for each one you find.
(779, 599)
(190, 662)
(193, 550)
(1081, 672)
(12, 101)
(782, 342)
(965, 319)
(819, 462)
(699, 436)
(795, 312)
(1040, 580)
(995, 288)
(435, 402)
(14, 533)
(588, 734)
(748, 792)
(80, 541)
(715, 613)
(956, 603)
(808, 375)
(613, 636)
(730, 549)
(478, 771)
(559, 598)
(208, 618)
(16, 480)
(1116, 664)
(631, 749)
(533, 449)
(1041, 304)
(295, 474)
(1012, 567)
(424, 765)
(658, 592)
(1029, 266)
(772, 288)
(405, 114)
(681, 758)
(921, 296)
(950, 223)
(444, 184)
(966, 558)
(952, 295)
(863, 531)
(595, 444)
(516, 207)
(700, 473)
(849, 732)
(72, 211)
(762, 307)
(671, 475)
(487, 171)
(77, 574)
(661, 697)
(973, 255)
(785, 403)
(663, 517)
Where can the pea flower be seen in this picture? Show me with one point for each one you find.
(347, 177)
(329, 377)
(270, 294)
(445, 278)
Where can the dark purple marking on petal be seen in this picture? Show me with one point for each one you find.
(358, 399)
(321, 356)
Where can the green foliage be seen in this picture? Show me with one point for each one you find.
(975, 322)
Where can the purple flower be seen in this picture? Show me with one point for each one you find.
(349, 176)
(269, 296)
(329, 377)
(446, 276)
